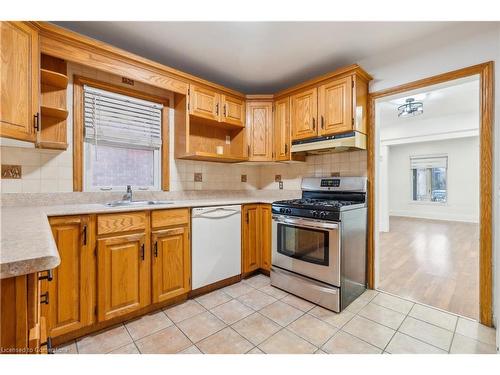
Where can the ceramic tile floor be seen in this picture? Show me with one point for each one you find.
(253, 317)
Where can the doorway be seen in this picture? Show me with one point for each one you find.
(430, 211)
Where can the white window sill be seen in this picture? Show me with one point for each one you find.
(428, 203)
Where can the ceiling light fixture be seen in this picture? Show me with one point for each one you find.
(411, 108)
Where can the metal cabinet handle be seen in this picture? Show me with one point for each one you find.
(49, 276)
(48, 344)
(322, 122)
(84, 234)
(225, 110)
(286, 148)
(314, 123)
(217, 109)
(156, 249)
(36, 121)
(143, 253)
(44, 298)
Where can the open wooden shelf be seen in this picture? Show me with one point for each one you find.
(58, 113)
(52, 145)
(209, 156)
(54, 79)
(217, 124)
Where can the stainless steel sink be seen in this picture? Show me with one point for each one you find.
(121, 203)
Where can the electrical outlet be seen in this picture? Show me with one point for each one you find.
(277, 178)
(228, 139)
(243, 178)
(198, 177)
(280, 185)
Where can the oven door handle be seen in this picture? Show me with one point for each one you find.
(305, 223)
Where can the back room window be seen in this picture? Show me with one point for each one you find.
(122, 142)
(429, 178)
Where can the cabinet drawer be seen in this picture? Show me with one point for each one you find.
(122, 222)
(165, 218)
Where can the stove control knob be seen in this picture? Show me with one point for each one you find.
(314, 213)
(288, 210)
(282, 210)
(322, 214)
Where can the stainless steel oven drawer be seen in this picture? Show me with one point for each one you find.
(317, 292)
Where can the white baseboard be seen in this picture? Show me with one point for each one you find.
(435, 216)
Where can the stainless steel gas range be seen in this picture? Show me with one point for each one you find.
(319, 242)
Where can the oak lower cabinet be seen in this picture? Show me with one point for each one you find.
(123, 275)
(256, 237)
(171, 260)
(68, 292)
(19, 76)
(22, 328)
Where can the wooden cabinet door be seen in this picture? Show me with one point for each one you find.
(265, 235)
(70, 292)
(204, 103)
(233, 110)
(123, 275)
(171, 263)
(304, 114)
(335, 106)
(19, 83)
(260, 131)
(282, 129)
(251, 250)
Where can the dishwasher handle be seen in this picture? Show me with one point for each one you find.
(215, 213)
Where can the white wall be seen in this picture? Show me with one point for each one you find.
(439, 54)
(462, 183)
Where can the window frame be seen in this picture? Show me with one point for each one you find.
(79, 144)
(428, 201)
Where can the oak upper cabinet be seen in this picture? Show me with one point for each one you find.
(251, 257)
(304, 109)
(19, 80)
(123, 264)
(256, 237)
(204, 103)
(260, 130)
(282, 129)
(335, 106)
(233, 110)
(171, 268)
(68, 294)
(265, 236)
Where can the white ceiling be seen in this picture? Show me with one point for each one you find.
(260, 57)
(460, 96)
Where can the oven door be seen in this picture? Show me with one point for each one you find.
(307, 247)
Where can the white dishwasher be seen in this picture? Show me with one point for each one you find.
(216, 244)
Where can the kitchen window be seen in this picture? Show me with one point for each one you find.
(429, 178)
(122, 141)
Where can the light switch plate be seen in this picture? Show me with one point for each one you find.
(280, 185)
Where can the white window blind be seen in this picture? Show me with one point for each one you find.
(120, 119)
(423, 162)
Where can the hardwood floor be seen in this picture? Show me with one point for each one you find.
(432, 262)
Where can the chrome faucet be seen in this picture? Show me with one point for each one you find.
(128, 194)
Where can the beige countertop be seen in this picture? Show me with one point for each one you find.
(27, 244)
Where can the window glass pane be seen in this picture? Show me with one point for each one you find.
(421, 184)
(439, 190)
(119, 166)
